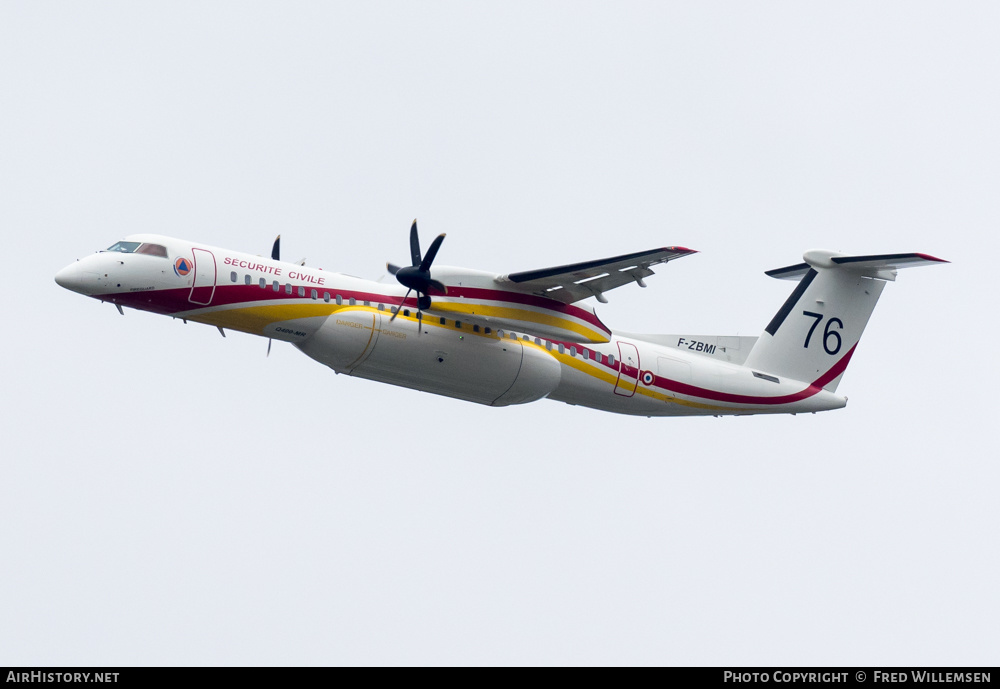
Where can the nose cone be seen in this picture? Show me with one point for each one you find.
(73, 278)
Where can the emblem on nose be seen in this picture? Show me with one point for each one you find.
(182, 266)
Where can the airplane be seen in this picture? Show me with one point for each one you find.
(514, 338)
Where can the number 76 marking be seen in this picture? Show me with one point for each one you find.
(828, 334)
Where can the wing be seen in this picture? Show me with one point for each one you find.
(577, 281)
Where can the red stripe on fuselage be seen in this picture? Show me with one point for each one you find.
(170, 301)
(704, 393)
(484, 294)
(173, 301)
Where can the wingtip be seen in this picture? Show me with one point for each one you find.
(935, 259)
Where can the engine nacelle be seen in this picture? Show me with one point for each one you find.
(486, 370)
(344, 340)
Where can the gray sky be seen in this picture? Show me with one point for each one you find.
(168, 496)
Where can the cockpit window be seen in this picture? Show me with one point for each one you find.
(152, 250)
(124, 247)
(139, 248)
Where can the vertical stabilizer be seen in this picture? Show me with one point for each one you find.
(813, 335)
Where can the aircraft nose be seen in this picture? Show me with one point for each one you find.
(73, 278)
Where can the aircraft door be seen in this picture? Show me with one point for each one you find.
(204, 277)
(628, 370)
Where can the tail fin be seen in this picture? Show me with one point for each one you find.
(813, 335)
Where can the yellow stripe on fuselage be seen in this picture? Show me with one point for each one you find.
(612, 379)
(476, 309)
(253, 319)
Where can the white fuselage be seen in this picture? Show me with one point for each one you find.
(481, 342)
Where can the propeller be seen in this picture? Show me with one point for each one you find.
(417, 276)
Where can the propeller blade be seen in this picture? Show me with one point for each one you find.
(417, 277)
(414, 245)
(276, 249)
(400, 307)
(425, 265)
(269, 346)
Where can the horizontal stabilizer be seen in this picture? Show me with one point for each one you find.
(881, 266)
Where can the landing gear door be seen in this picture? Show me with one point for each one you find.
(628, 370)
(204, 277)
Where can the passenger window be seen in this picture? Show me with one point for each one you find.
(406, 312)
(247, 280)
(232, 276)
(488, 331)
(314, 294)
(340, 300)
(326, 297)
(277, 287)
(351, 301)
(444, 321)
(561, 349)
(475, 328)
(458, 324)
(611, 359)
(288, 288)
(302, 291)
(263, 283)
(572, 351)
(381, 307)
